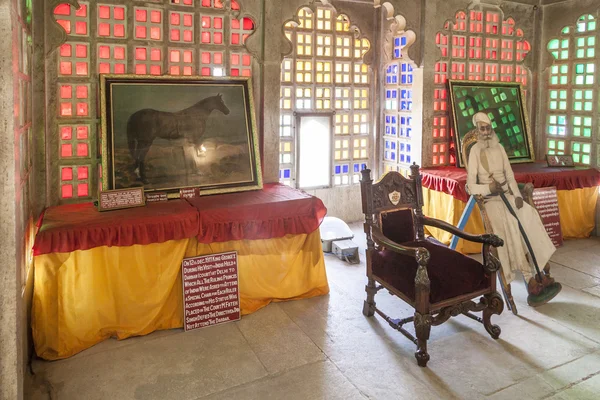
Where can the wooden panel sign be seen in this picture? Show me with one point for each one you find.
(546, 202)
(156, 196)
(121, 198)
(210, 290)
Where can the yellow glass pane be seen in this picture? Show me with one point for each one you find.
(345, 154)
(337, 155)
(363, 154)
(356, 153)
(363, 142)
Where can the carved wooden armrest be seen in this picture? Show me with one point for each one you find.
(487, 238)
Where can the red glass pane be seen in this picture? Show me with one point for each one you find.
(66, 150)
(174, 57)
(140, 32)
(235, 38)
(235, 59)
(140, 53)
(187, 71)
(66, 109)
(66, 132)
(104, 12)
(66, 174)
(235, 5)
(205, 37)
(218, 23)
(206, 71)
(155, 17)
(82, 109)
(62, 9)
(188, 36)
(119, 30)
(82, 173)
(205, 58)
(81, 28)
(155, 70)
(67, 191)
(119, 13)
(175, 35)
(155, 55)
(82, 190)
(235, 72)
(174, 70)
(175, 20)
(218, 58)
(218, 38)
(218, 3)
(81, 51)
(245, 59)
(187, 56)
(65, 50)
(82, 132)
(235, 23)
(82, 92)
(246, 72)
(82, 12)
(119, 68)
(206, 3)
(248, 24)
(82, 150)
(155, 33)
(66, 92)
(188, 20)
(65, 24)
(104, 68)
(206, 22)
(66, 68)
(141, 15)
(140, 69)
(103, 29)
(119, 53)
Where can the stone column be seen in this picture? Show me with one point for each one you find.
(11, 377)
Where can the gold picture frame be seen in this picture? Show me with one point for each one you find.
(504, 104)
(172, 132)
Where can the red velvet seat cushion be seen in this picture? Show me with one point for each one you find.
(451, 273)
(398, 225)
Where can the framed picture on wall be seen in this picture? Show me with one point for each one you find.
(503, 102)
(168, 133)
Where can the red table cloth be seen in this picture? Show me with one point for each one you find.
(73, 227)
(452, 180)
(273, 212)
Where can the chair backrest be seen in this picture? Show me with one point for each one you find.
(384, 202)
(466, 144)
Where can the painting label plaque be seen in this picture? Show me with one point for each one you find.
(122, 198)
(156, 196)
(546, 202)
(189, 193)
(210, 290)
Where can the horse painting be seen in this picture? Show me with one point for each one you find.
(145, 125)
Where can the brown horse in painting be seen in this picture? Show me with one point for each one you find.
(146, 125)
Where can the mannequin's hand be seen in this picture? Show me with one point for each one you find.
(519, 202)
(495, 187)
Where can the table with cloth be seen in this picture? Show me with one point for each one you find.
(445, 197)
(118, 273)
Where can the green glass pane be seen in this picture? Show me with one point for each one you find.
(587, 121)
(563, 80)
(585, 159)
(576, 131)
(579, 80)
(587, 132)
(561, 145)
(563, 94)
(554, 80)
(590, 68)
(579, 94)
(553, 119)
(577, 106)
(591, 25)
(576, 147)
(566, 30)
(576, 120)
(591, 40)
(512, 118)
(580, 42)
(553, 105)
(589, 95)
(554, 94)
(555, 54)
(591, 52)
(552, 144)
(552, 130)
(576, 158)
(564, 69)
(579, 68)
(562, 120)
(563, 105)
(587, 106)
(589, 80)
(587, 148)
(581, 27)
(565, 43)
(551, 152)
(580, 53)
(503, 96)
(517, 130)
(553, 44)
(564, 54)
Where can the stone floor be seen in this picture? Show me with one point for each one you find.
(324, 348)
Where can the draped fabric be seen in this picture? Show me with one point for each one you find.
(452, 180)
(577, 210)
(86, 296)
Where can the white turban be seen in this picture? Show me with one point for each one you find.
(481, 117)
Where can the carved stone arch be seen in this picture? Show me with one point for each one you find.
(396, 25)
(55, 34)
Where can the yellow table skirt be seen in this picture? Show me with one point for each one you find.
(86, 296)
(577, 210)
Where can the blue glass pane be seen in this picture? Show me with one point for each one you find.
(408, 132)
(394, 130)
(396, 53)
(338, 169)
(393, 145)
(397, 41)
(387, 119)
(403, 40)
(395, 69)
(364, 166)
(408, 147)
(287, 173)
(387, 144)
(393, 156)
(402, 157)
(356, 167)
(410, 79)
(408, 159)
(345, 168)
(394, 119)
(403, 78)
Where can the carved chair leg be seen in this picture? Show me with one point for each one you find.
(422, 329)
(369, 304)
(495, 306)
(507, 292)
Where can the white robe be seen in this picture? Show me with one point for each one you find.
(493, 160)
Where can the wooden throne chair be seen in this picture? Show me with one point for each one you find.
(436, 281)
(526, 190)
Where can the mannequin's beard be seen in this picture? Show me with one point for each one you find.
(490, 141)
